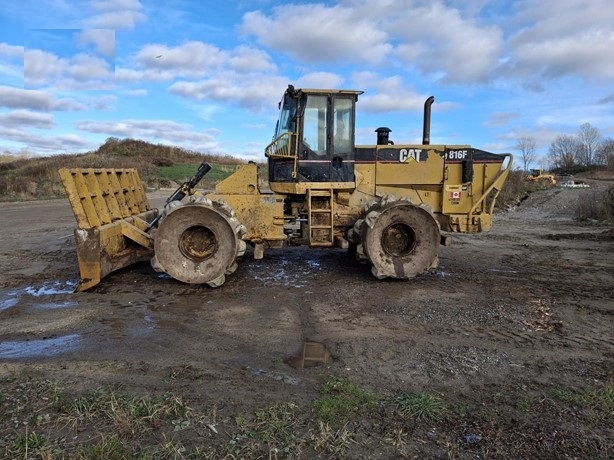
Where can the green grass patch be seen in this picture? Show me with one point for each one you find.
(111, 448)
(275, 430)
(422, 406)
(340, 399)
(275, 426)
(181, 172)
(596, 405)
(32, 445)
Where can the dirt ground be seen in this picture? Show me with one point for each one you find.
(524, 309)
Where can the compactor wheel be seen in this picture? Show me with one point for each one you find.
(198, 242)
(399, 239)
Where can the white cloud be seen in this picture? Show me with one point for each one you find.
(66, 104)
(191, 59)
(390, 95)
(11, 61)
(125, 75)
(127, 127)
(116, 14)
(106, 102)
(316, 33)
(437, 40)
(103, 40)
(27, 99)
(81, 71)
(232, 87)
(27, 118)
(245, 59)
(41, 67)
(432, 38)
(84, 68)
(45, 101)
(164, 131)
(320, 80)
(11, 51)
(553, 40)
(45, 144)
(587, 54)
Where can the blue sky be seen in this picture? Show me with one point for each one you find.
(207, 75)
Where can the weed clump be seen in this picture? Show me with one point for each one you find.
(596, 205)
(421, 407)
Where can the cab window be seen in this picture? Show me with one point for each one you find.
(315, 123)
(342, 126)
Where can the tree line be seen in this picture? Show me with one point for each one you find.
(569, 153)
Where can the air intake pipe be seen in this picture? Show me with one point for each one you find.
(426, 128)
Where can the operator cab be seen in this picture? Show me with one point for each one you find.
(314, 137)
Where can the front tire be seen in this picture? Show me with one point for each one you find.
(199, 242)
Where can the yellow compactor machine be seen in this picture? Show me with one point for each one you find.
(388, 204)
(538, 176)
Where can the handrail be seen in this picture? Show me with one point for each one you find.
(281, 148)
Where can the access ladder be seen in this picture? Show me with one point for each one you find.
(320, 208)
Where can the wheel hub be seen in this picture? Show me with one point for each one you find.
(398, 239)
(198, 243)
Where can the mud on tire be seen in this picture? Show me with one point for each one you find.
(198, 242)
(399, 239)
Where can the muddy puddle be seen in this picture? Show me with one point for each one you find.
(284, 272)
(53, 346)
(49, 295)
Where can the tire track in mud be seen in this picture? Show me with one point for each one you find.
(588, 340)
(524, 322)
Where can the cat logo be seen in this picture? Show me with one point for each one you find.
(406, 154)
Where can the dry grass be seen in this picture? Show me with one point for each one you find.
(49, 419)
(513, 190)
(596, 205)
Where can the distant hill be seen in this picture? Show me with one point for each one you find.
(23, 178)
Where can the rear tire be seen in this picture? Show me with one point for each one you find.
(199, 242)
(399, 239)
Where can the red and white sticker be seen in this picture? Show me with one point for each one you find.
(455, 195)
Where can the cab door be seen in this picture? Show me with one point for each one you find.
(326, 153)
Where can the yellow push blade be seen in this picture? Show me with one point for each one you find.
(112, 213)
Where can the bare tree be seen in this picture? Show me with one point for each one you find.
(526, 145)
(564, 152)
(605, 153)
(589, 140)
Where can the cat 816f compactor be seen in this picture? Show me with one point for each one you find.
(386, 203)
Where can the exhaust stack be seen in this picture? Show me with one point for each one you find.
(426, 128)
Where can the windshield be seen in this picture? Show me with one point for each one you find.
(287, 117)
